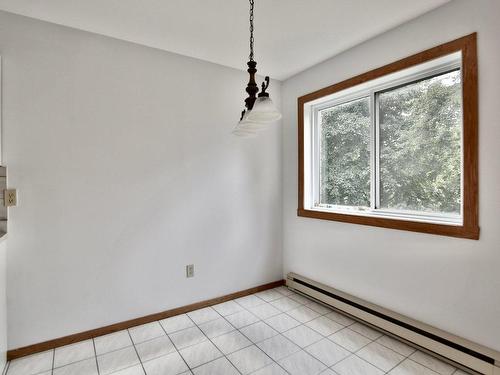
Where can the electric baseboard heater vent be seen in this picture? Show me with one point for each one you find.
(462, 352)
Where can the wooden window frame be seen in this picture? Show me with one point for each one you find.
(467, 45)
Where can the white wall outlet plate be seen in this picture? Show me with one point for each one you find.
(190, 270)
(10, 197)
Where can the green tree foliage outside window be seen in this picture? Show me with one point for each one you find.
(345, 154)
(420, 148)
(420, 137)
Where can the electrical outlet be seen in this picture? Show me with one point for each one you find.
(10, 197)
(190, 270)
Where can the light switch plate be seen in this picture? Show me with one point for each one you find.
(10, 197)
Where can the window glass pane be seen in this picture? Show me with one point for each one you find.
(344, 157)
(420, 145)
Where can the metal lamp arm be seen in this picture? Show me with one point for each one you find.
(264, 87)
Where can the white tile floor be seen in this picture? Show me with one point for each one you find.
(269, 333)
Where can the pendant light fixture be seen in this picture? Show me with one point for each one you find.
(260, 111)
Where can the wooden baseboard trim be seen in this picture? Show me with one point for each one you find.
(66, 340)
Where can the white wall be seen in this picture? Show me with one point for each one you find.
(126, 172)
(450, 283)
(3, 306)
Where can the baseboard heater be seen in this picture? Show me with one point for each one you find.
(464, 353)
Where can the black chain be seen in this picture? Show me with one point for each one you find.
(250, 57)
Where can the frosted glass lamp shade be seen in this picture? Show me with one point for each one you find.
(244, 128)
(242, 132)
(264, 111)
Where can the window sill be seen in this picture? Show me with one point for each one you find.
(452, 230)
(417, 216)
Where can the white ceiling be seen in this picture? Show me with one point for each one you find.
(290, 36)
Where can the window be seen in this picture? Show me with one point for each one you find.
(396, 147)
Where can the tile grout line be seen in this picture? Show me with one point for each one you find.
(412, 360)
(392, 368)
(208, 338)
(264, 321)
(115, 371)
(300, 324)
(327, 338)
(304, 324)
(6, 368)
(352, 353)
(238, 329)
(95, 354)
(234, 330)
(70, 363)
(241, 333)
(428, 368)
(364, 346)
(53, 360)
(255, 344)
(304, 348)
(434, 357)
(173, 343)
(385, 346)
(371, 342)
(404, 359)
(396, 365)
(136, 352)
